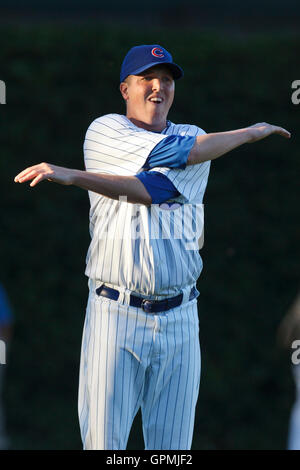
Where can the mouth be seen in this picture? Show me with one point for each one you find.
(156, 100)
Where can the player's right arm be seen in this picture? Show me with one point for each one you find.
(214, 145)
(206, 147)
(111, 186)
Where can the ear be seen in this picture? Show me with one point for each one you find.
(124, 90)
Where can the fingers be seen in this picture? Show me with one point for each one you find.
(278, 130)
(275, 129)
(263, 129)
(25, 175)
(283, 132)
(36, 173)
(45, 171)
(18, 178)
(37, 179)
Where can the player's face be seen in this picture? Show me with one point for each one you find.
(149, 97)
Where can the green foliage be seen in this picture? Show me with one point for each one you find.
(59, 78)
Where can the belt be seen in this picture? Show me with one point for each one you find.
(149, 306)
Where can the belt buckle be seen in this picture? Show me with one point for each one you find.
(144, 305)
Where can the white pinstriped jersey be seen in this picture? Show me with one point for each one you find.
(132, 246)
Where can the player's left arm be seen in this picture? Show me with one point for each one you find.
(211, 146)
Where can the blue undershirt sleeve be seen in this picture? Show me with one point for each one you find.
(171, 152)
(160, 188)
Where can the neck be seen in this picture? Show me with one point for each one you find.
(157, 127)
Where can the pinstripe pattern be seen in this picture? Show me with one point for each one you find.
(146, 360)
(136, 264)
(131, 359)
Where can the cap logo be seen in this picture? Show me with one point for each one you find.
(157, 52)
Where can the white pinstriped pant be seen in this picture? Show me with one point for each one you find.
(132, 359)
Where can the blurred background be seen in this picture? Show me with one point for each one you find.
(60, 62)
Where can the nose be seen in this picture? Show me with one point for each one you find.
(156, 84)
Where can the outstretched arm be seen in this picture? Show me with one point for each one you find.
(112, 186)
(206, 147)
(212, 146)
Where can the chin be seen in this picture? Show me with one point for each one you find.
(157, 118)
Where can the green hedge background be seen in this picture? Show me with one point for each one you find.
(61, 77)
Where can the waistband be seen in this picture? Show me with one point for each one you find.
(149, 306)
(93, 284)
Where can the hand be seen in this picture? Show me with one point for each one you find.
(45, 171)
(263, 129)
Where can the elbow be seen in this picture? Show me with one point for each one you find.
(191, 160)
(140, 194)
(199, 153)
(146, 201)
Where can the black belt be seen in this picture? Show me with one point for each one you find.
(149, 306)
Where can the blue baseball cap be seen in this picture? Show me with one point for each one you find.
(141, 58)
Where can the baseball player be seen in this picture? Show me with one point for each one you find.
(146, 178)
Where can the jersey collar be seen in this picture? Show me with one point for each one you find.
(162, 132)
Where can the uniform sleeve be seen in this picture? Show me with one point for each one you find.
(190, 182)
(160, 188)
(113, 146)
(171, 152)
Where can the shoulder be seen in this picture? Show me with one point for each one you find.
(120, 127)
(184, 129)
(110, 121)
